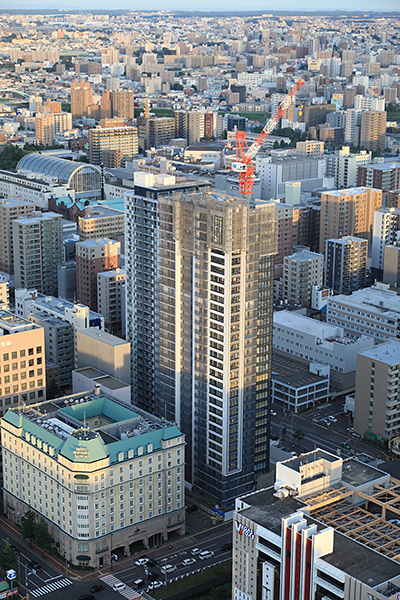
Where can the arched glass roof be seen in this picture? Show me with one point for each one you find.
(53, 167)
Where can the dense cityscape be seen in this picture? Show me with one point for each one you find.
(199, 305)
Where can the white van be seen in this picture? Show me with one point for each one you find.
(118, 587)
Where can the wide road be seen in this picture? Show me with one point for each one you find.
(58, 585)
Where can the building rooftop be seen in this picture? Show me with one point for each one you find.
(98, 211)
(97, 242)
(380, 300)
(103, 336)
(306, 324)
(11, 323)
(388, 353)
(292, 373)
(14, 202)
(304, 255)
(59, 168)
(349, 191)
(58, 305)
(60, 427)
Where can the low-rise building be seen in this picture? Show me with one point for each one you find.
(22, 362)
(314, 534)
(105, 352)
(313, 341)
(87, 377)
(373, 312)
(105, 476)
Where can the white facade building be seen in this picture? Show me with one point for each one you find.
(384, 233)
(317, 342)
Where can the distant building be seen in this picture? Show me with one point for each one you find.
(348, 212)
(275, 172)
(374, 311)
(93, 257)
(111, 297)
(301, 271)
(345, 168)
(386, 226)
(103, 351)
(81, 98)
(22, 362)
(124, 139)
(37, 251)
(373, 130)
(391, 265)
(310, 148)
(10, 209)
(88, 378)
(313, 341)
(377, 391)
(346, 264)
(101, 222)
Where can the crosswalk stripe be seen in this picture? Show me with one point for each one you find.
(50, 587)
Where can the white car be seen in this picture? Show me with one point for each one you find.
(196, 551)
(168, 569)
(155, 585)
(332, 419)
(141, 562)
(273, 413)
(206, 554)
(188, 561)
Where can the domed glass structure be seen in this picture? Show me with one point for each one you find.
(80, 177)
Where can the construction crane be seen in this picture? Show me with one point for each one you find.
(244, 155)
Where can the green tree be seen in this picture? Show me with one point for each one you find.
(298, 435)
(7, 556)
(42, 535)
(53, 389)
(28, 525)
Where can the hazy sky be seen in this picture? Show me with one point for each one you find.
(306, 5)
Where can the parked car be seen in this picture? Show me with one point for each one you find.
(196, 551)
(142, 562)
(206, 554)
(273, 413)
(332, 419)
(227, 546)
(356, 435)
(96, 588)
(191, 508)
(188, 561)
(168, 569)
(138, 583)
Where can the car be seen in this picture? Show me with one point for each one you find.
(188, 561)
(350, 429)
(191, 508)
(345, 445)
(96, 588)
(168, 569)
(227, 546)
(34, 566)
(326, 422)
(394, 522)
(138, 583)
(196, 551)
(155, 585)
(273, 413)
(142, 562)
(86, 597)
(332, 419)
(356, 435)
(118, 587)
(206, 554)
(16, 550)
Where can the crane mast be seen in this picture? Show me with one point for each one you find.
(244, 154)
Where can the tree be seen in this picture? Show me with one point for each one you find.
(7, 556)
(298, 435)
(53, 389)
(42, 535)
(28, 525)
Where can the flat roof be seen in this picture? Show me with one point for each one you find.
(295, 374)
(97, 242)
(387, 353)
(14, 202)
(102, 336)
(311, 457)
(305, 324)
(354, 191)
(98, 211)
(304, 255)
(356, 473)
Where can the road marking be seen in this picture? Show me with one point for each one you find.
(52, 587)
(127, 592)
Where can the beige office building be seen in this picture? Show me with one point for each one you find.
(373, 130)
(301, 271)
(10, 209)
(310, 148)
(348, 212)
(124, 139)
(45, 129)
(22, 362)
(107, 477)
(101, 222)
(81, 98)
(103, 351)
(377, 391)
(124, 104)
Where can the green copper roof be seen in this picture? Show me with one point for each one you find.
(100, 406)
(84, 451)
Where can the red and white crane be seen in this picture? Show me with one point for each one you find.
(244, 155)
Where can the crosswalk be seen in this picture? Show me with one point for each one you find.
(50, 587)
(127, 592)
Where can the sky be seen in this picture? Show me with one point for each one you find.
(221, 5)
